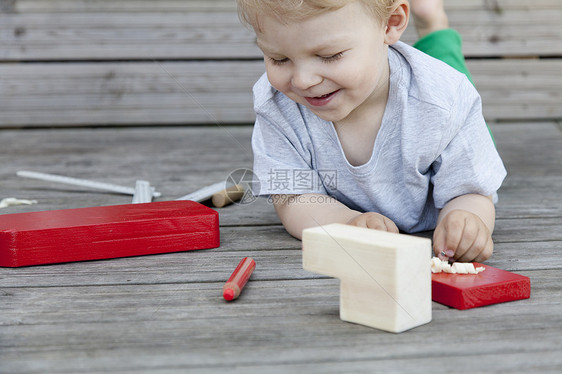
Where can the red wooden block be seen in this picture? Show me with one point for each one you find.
(464, 291)
(106, 232)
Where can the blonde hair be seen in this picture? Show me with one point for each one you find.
(249, 11)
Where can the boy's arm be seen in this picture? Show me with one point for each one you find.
(298, 212)
(464, 228)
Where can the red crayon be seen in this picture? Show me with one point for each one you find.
(231, 290)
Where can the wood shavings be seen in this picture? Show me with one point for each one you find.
(438, 266)
(9, 201)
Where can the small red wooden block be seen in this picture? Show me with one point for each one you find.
(106, 232)
(465, 291)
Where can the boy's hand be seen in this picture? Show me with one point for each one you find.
(462, 235)
(375, 221)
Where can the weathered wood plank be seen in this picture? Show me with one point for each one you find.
(294, 324)
(531, 152)
(158, 93)
(87, 30)
(23, 6)
(120, 36)
(89, 304)
(278, 257)
(128, 93)
(177, 161)
(550, 362)
(528, 230)
(178, 345)
(277, 254)
(495, 30)
(516, 89)
(530, 197)
(277, 264)
(88, 6)
(181, 160)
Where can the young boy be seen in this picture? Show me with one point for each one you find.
(353, 126)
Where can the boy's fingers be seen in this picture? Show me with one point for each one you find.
(375, 222)
(359, 223)
(378, 225)
(478, 244)
(453, 234)
(487, 252)
(390, 225)
(467, 245)
(439, 243)
(482, 243)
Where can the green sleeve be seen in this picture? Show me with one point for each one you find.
(446, 45)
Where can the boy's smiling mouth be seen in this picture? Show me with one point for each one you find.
(321, 100)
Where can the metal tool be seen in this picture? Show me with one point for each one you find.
(143, 192)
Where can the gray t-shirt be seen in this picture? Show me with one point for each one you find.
(433, 145)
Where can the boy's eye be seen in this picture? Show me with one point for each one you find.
(332, 58)
(326, 59)
(278, 61)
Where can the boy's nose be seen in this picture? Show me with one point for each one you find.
(303, 79)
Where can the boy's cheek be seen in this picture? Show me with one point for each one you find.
(277, 79)
(276, 83)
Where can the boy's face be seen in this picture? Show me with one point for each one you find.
(336, 64)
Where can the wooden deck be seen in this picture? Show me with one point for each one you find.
(165, 313)
(178, 62)
(90, 88)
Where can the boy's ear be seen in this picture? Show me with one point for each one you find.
(397, 22)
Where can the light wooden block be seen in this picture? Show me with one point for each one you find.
(385, 277)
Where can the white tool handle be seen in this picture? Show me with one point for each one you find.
(204, 193)
(81, 182)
